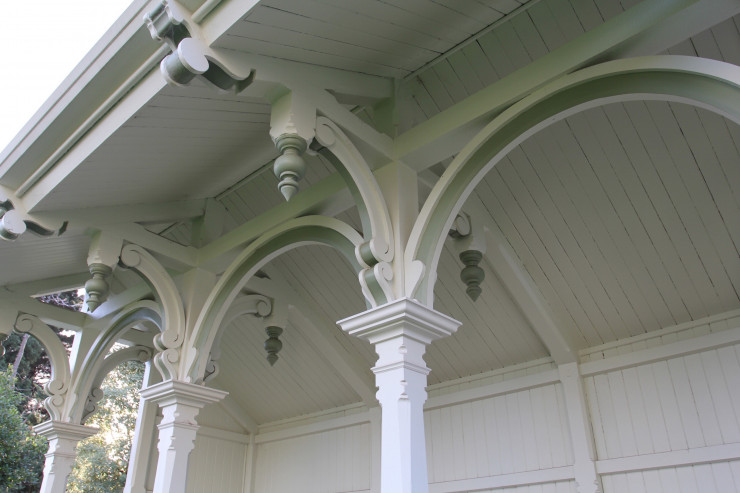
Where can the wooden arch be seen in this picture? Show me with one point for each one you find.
(94, 367)
(705, 83)
(289, 235)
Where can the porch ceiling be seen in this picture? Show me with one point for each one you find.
(623, 217)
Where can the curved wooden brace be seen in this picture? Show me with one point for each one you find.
(706, 83)
(58, 384)
(376, 220)
(252, 304)
(173, 313)
(95, 394)
(135, 313)
(291, 234)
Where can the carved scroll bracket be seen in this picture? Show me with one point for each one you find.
(191, 57)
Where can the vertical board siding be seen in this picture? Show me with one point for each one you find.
(217, 464)
(677, 404)
(517, 432)
(719, 477)
(332, 461)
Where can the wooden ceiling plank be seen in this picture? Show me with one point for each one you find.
(465, 72)
(575, 235)
(552, 252)
(654, 282)
(665, 21)
(450, 80)
(667, 235)
(610, 165)
(562, 301)
(339, 32)
(529, 36)
(609, 298)
(588, 14)
(718, 220)
(346, 365)
(699, 213)
(512, 46)
(303, 55)
(608, 227)
(480, 63)
(724, 172)
(352, 16)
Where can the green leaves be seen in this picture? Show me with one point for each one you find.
(21, 452)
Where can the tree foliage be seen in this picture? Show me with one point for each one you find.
(102, 459)
(21, 452)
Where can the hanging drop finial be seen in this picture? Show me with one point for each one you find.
(273, 344)
(472, 275)
(289, 166)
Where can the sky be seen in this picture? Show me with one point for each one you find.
(41, 41)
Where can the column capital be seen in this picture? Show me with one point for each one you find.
(56, 430)
(175, 392)
(403, 317)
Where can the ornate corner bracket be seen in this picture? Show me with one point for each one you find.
(172, 24)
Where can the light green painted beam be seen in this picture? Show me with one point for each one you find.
(652, 25)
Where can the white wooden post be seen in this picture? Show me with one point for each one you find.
(138, 464)
(400, 331)
(180, 403)
(63, 439)
(584, 467)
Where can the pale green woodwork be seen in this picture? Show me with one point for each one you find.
(172, 327)
(707, 83)
(142, 312)
(58, 385)
(292, 234)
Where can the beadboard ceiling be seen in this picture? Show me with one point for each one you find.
(625, 217)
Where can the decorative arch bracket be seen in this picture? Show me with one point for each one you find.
(95, 395)
(376, 252)
(172, 334)
(58, 384)
(252, 304)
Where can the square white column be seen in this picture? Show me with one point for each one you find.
(63, 439)
(400, 332)
(180, 403)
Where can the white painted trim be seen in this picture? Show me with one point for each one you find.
(661, 332)
(313, 428)
(500, 388)
(229, 436)
(645, 356)
(504, 480)
(505, 372)
(662, 460)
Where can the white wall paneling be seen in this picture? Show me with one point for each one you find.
(218, 462)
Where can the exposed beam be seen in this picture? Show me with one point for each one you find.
(120, 300)
(139, 235)
(50, 314)
(325, 197)
(315, 326)
(649, 27)
(50, 285)
(150, 213)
